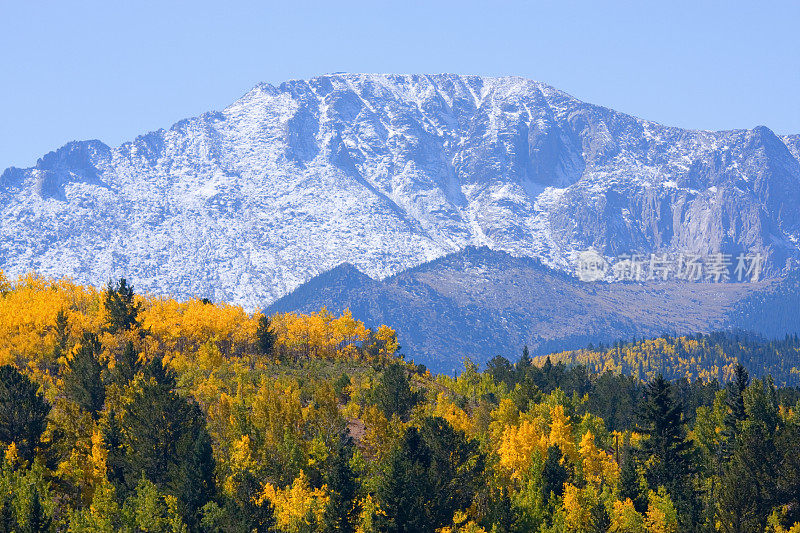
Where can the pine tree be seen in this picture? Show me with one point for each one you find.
(393, 394)
(115, 453)
(127, 364)
(166, 441)
(343, 510)
(23, 412)
(121, 308)
(265, 338)
(736, 412)
(83, 382)
(750, 480)
(599, 520)
(259, 517)
(554, 474)
(193, 480)
(503, 517)
(629, 486)
(7, 522)
(432, 472)
(670, 460)
(38, 521)
(405, 492)
(524, 362)
(501, 370)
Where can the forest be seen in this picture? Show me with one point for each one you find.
(708, 357)
(128, 412)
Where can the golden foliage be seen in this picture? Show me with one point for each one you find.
(298, 507)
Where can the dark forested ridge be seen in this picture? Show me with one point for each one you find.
(479, 303)
(121, 412)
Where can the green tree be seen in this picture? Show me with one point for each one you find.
(115, 451)
(38, 521)
(23, 412)
(788, 442)
(83, 378)
(121, 309)
(750, 480)
(265, 337)
(501, 370)
(629, 485)
(736, 413)
(669, 458)
(61, 335)
(599, 520)
(432, 472)
(146, 509)
(343, 510)
(8, 523)
(127, 364)
(260, 517)
(525, 360)
(393, 394)
(554, 474)
(166, 441)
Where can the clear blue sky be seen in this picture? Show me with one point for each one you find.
(113, 70)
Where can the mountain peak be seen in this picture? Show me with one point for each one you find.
(389, 171)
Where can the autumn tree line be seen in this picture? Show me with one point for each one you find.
(126, 412)
(706, 357)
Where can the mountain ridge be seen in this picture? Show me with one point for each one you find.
(387, 172)
(479, 303)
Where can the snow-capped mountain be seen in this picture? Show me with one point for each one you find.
(386, 172)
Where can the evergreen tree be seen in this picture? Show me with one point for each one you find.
(127, 364)
(457, 468)
(38, 521)
(121, 309)
(115, 453)
(554, 474)
(265, 338)
(501, 370)
(343, 510)
(736, 412)
(787, 443)
(750, 481)
(404, 492)
(83, 381)
(258, 518)
(599, 520)
(669, 456)
(193, 482)
(7, 522)
(524, 364)
(23, 412)
(629, 486)
(159, 375)
(393, 394)
(432, 472)
(340, 388)
(503, 517)
(166, 441)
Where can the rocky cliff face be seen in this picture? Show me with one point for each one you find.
(387, 172)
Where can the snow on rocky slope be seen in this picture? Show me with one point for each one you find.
(386, 172)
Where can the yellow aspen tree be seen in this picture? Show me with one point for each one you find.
(298, 507)
(561, 432)
(661, 514)
(517, 446)
(578, 504)
(625, 518)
